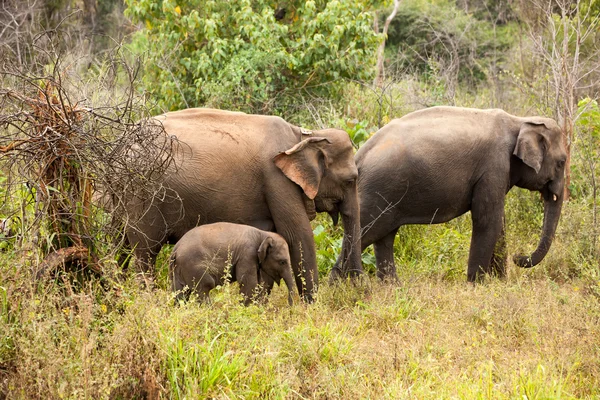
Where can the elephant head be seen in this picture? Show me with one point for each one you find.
(274, 264)
(539, 164)
(323, 166)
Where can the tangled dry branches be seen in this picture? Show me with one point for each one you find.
(71, 163)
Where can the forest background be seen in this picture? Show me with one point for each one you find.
(77, 75)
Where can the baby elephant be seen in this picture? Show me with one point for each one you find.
(209, 254)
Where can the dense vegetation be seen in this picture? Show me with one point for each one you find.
(103, 64)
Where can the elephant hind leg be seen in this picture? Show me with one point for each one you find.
(384, 255)
(177, 286)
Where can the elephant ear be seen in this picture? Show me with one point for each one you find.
(304, 165)
(531, 144)
(263, 250)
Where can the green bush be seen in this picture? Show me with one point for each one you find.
(238, 55)
(428, 36)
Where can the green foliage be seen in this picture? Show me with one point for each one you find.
(237, 55)
(439, 250)
(359, 131)
(329, 245)
(429, 36)
(328, 241)
(586, 143)
(195, 371)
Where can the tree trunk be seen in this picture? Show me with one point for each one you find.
(380, 73)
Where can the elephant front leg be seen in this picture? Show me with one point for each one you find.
(299, 237)
(291, 222)
(487, 227)
(248, 280)
(500, 256)
(304, 264)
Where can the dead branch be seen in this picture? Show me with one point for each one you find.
(381, 50)
(75, 152)
(67, 256)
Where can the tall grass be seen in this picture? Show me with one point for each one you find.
(529, 336)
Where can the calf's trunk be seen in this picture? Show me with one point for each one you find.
(290, 283)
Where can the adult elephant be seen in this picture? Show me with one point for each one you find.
(255, 170)
(435, 164)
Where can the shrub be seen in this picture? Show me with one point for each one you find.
(248, 55)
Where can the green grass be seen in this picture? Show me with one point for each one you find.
(526, 337)
(533, 335)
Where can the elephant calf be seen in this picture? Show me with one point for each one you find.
(209, 254)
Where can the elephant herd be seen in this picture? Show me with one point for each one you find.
(272, 177)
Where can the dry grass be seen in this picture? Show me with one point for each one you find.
(531, 336)
(527, 337)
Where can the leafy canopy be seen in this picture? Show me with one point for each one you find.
(251, 55)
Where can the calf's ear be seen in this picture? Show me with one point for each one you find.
(264, 248)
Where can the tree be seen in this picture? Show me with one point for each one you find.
(72, 147)
(251, 54)
(440, 41)
(569, 51)
(380, 70)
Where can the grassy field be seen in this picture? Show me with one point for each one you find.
(432, 335)
(533, 335)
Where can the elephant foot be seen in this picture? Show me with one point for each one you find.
(386, 272)
(478, 276)
(388, 277)
(308, 298)
(337, 275)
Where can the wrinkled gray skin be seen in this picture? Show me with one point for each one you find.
(436, 164)
(254, 170)
(207, 255)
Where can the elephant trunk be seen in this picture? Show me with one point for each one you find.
(351, 264)
(552, 208)
(290, 283)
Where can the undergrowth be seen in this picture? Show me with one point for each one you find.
(431, 335)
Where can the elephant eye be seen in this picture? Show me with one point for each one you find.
(561, 163)
(350, 182)
(282, 262)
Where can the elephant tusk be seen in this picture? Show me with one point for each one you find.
(554, 197)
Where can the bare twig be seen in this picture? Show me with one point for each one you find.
(74, 164)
